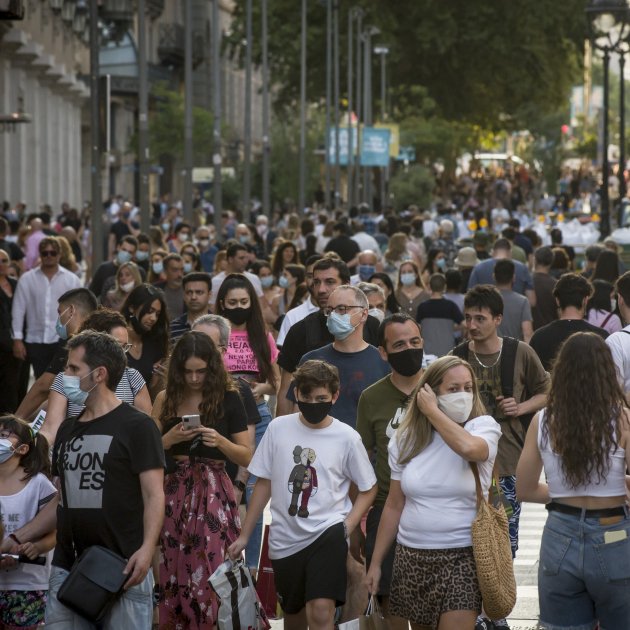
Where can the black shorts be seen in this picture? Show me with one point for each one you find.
(371, 528)
(316, 572)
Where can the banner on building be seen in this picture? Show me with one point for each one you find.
(375, 146)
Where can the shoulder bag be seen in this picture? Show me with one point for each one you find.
(493, 555)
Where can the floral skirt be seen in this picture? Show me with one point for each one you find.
(201, 522)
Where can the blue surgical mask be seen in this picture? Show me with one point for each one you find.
(140, 255)
(283, 282)
(6, 450)
(187, 267)
(441, 263)
(408, 278)
(62, 329)
(366, 272)
(73, 391)
(158, 267)
(123, 257)
(266, 281)
(243, 239)
(166, 227)
(339, 326)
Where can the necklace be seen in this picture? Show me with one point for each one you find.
(487, 367)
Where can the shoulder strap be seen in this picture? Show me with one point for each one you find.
(508, 360)
(461, 350)
(625, 331)
(606, 320)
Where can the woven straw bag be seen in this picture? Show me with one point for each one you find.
(493, 555)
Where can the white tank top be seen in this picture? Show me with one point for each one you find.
(613, 486)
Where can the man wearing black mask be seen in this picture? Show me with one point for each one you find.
(381, 409)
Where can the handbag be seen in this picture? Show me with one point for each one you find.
(239, 606)
(94, 583)
(493, 555)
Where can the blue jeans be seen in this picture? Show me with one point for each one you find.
(134, 610)
(582, 578)
(252, 551)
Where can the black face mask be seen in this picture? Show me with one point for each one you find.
(238, 315)
(406, 362)
(314, 413)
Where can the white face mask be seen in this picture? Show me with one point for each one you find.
(376, 312)
(456, 406)
(127, 287)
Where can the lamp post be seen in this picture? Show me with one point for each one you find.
(216, 132)
(247, 166)
(336, 99)
(608, 24)
(188, 114)
(383, 51)
(265, 113)
(623, 49)
(328, 96)
(302, 194)
(369, 32)
(358, 193)
(143, 119)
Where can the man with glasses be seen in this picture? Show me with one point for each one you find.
(35, 307)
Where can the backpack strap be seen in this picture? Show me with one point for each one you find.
(508, 361)
(606, 320)
(461, 350)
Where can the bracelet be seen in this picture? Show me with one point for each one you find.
(14, 538)
(239, 485)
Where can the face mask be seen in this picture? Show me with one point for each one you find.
(456, 406)
(366, 272)
(261, 229)
(441, 263)
(187, 267)
(157, 267)
(238, 315)
(266, 282)
(243, 239)
(183, 236)
(166, 227)
(204, 242)
(339, 326)
(6, 450)
(62, 329)
(406, 362)
(140, 256)
(376, 312)
(408, 278)
(314, 413)
(613, 305)
(73, 391)
(123, 256)
(283, 282)
(127, 287)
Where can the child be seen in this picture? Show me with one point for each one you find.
(24, 489)
(305, 463)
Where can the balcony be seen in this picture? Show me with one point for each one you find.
(155, 8)
(171, 45)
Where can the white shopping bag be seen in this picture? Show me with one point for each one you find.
(239, 608)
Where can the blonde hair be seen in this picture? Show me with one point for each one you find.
(416, 432)
(397, 246)
(134, 271)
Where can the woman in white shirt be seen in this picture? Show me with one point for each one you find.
(582, 440)
(432, 501)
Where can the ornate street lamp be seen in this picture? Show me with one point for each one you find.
(67, 11)
(80, 17)
(608, 27)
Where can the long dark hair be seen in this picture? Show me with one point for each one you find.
(391, 303)
(584, 408)
(607, 266)
(600, 300)
(277, 260)
(255, 325)
(36, 459)
(217, 381)
(142, 297)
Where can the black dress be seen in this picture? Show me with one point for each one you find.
(10, 391)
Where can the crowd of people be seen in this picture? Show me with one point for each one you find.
(349, 369)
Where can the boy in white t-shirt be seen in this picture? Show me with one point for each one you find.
(305, 464)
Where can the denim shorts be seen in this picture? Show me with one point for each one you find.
(133, 610)
(584, 573)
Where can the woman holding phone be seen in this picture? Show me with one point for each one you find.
(203, 424)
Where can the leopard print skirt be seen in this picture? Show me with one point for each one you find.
(429, 582)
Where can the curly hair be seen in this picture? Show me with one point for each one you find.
(584, 408)
(217, 381)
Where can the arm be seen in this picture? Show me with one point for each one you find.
(111, 245)
(237, 449)
(242, 474)
(39, 547)
(152, 485)
(260, 389)
(18, 312)
(528, 486)
(259, 499)
(530, 294)
(35, 397)
(467, 446)
(387, 529)
(528, 330)
(44, 523)
(361, 504)
(142, 401)
(55, 415)
(284, 406)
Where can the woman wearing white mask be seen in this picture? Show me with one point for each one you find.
(409, 292)
(432, 500)
(127, 279)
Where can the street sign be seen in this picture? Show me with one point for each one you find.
(375, 147)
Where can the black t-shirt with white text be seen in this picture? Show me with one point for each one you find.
(99, 464)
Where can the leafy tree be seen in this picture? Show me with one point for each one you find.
(412, 185)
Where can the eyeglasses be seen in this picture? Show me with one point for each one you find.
(5, 434)
(126, 347)
(342, 309)
(49, 253)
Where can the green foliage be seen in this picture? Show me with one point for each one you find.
(412, 185)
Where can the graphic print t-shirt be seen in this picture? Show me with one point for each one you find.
(99, 463)
(240, 358)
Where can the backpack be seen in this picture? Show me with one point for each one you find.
(508, 361)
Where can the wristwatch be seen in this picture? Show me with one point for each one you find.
(239, 485)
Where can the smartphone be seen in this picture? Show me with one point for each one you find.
(191, 422)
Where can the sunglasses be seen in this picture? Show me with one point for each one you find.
(49, 253)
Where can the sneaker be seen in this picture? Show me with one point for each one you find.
(484, 624)
(500, 624)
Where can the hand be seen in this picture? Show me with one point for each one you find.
(8, 545)
(238, 495)
(372, 579)
(236, 548)
(138, 566)
(178, 434)
(258, 389)
(19, 349)
(357, 545)
(210, 437)
(427, 400)
(508, 406)
(8, 564)
(30, 550)
(159, 368)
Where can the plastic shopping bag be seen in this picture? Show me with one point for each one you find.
(372, 620)
(239, 607)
